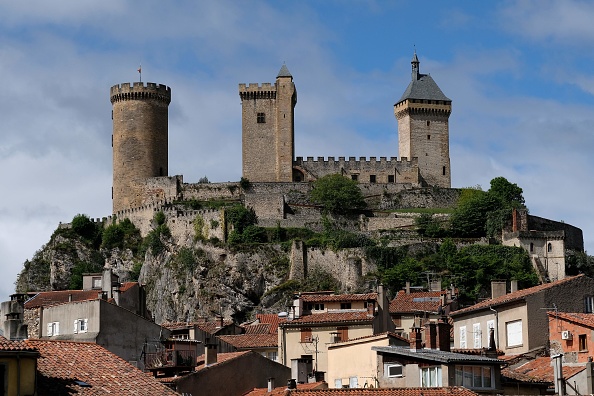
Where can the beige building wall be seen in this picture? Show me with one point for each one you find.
(505, 321)
(19, 373)
(290, 339)
(549, 251)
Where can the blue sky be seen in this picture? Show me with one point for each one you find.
(519, 74)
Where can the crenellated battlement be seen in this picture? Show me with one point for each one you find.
(353, 160)
(257, 91)
(140, 91)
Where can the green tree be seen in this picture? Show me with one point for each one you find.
(337, 194)
(509, 193)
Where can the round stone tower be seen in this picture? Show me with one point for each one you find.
(139, 139)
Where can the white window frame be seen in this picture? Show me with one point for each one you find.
(477, 335)
(462, 333)
(53, 329)
(388, 366)
(513, 333)
(430, 377)
(465, 373)
(338, 383)
(588, 304)
(81, 326)
(353, 382)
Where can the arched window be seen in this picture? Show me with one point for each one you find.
(549, 247)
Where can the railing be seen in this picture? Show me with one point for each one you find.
(170, 358)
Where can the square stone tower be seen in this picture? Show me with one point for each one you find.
(423, 114)
(268, 129)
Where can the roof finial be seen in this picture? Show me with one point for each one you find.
(415, 66)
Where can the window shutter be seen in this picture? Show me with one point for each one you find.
(75, 330)
(463, 337)
(86, 325)
(49, 330)
(57, 328)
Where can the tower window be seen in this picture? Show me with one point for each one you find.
(371, 178)
(549, 247)
(354, 177)
(428, 123)
(390, 178)
(428, 136)
(443, 171)
(261, 118)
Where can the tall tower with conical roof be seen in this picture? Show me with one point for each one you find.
(423, 114)
(139, 139)
(268, 129)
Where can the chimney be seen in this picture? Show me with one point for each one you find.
(292, 384)
(270, 384)
(407, 287)
(443, 335)
(210, 353)
(431, 335)
(70, 297)
(514, 286)
(415, 339)
(498, 288)
(514, 220)
(219, 319)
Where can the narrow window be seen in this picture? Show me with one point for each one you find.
(390, 178)
(428, 123)
(355, 177)
(531, 247)
(428, 136)
(343, 333)
(371, 178)
(443, 171)
(549, 247)
(588, 304)
(261, 118)
(306, 335)
(583, 343)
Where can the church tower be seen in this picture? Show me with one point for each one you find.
(268, 129)
(423, 112)
(139, 139)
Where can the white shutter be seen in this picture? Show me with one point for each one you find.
(514, 333)
(86, 325)
(49, 330)
(463, 337)
(75, 330)
(57, 328)
(476, 332)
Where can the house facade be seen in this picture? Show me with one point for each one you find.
(519, 319)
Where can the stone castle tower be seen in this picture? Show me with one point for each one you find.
(268, 129)
(423, 127)
(139, 139)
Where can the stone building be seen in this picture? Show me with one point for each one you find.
(423, 137)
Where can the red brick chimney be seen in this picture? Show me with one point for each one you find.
(416, 339)
(443, 335)
(431, 335)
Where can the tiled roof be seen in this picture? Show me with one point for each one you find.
(436, 355)
(515, 296)
(249, 341)
(584, 319)
(416, 301)
(44, 299)
(259, 328)
(330, 317)
(124, 287)
(17, 346)
(281, 390)
(370, 337)
(445, 391)
(337, 297)
(538, 370)
(66, 367)
(272, 319)
(221, 358)
(208, 327)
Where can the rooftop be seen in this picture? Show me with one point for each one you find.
(538, 370)
(515, 296)
(330, 317)
(584, 319)
(281, 390)
(323, 297)
(426, 301)
(445, 391)
(436, 355)
(250, 341)
(47, 298)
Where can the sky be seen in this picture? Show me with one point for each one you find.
(519, 74)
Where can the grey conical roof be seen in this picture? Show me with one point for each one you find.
(424, 87)
(284, 72)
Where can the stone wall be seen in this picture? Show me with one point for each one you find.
(211, 191)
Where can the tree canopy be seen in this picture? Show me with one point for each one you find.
(337, 194)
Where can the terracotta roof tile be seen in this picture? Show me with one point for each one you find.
(281, 390)
(584, 319)
(259, 328)
(337, 297)
(371, 336)
(538, 370)
(272, 319)
(416, 301)
(517, 295)
(7, 345)
(331, 317)
(445, 391)
(250, 341)
(64, 367)
(44, 299)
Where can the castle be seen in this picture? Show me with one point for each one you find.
(139, 140)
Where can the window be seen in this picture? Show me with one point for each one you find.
(261, 118)
(53, 329)
(476, 335)
(272, 355)
(338, 383)
(345, 305)
(431, 377)
(583, 343)
(443, 171)
(80, 326)
(588, 304)
(463, 337)
(390, 178)
(343, 333)
(393, 370)
(314, 307)
(531, 247)
(353, 383)
(355, 177)
(306, 335)
(371, 178)
(428, 122)
(96, 282)
(549, 247)
(474, 377)
(397, 319)
(428, 136)
(514, 333)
